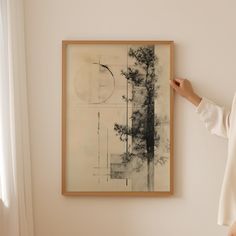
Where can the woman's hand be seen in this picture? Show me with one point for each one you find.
(184, 88)
(232, 229)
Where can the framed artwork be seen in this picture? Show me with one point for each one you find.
(117, 118)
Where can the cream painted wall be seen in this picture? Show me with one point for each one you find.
(205, 36)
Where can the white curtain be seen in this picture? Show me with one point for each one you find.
(16, 214)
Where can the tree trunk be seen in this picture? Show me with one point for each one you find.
(150, 175)
(150, 141)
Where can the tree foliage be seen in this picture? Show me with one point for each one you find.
(141, 76)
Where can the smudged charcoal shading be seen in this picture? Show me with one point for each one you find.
(142, 77)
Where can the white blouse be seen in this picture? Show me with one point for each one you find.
(222, 122)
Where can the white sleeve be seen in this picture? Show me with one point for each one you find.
(216, 118)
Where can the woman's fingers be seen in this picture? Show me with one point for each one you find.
(174, 85)
(184, 88)
(180, 80)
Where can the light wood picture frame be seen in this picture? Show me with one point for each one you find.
(117, 118)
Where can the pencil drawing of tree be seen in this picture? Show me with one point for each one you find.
(143, 129)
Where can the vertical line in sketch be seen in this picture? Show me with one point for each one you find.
(90, 89)
(98, 133)
(107, 157)
(99, 70)
(127, 100)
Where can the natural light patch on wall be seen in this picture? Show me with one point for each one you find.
(3, 102)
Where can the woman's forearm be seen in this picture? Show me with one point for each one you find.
(194, 99)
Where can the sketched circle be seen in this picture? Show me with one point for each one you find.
(94, 86)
